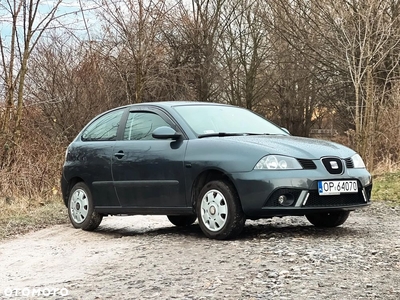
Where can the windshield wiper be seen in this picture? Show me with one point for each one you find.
(222, 134)
(251, 133)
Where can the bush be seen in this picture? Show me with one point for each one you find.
(31, 169)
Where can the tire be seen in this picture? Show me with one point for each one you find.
(182, 221)
(81, 209)
(330, 219)
(219, 212)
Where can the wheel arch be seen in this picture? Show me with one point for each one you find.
(203, 178)
(70, 185)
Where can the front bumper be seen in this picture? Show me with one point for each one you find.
(259, 191)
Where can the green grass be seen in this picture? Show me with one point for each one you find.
(22, 217)
(387, 187)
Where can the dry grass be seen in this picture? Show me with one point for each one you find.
(22, 216)
(386, 167)
(29, 186)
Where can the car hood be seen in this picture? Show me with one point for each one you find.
(298, 147)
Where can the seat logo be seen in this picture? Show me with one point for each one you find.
(334, 165)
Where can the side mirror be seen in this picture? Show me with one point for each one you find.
(165, 132)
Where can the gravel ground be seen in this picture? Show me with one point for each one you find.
(145, 257)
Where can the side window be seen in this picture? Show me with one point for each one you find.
(140, 125)
(104, 128)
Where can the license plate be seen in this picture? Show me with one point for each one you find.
(337, 187)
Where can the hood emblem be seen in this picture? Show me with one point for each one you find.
(334, 165)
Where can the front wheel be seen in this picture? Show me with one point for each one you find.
(81, 209)
(182, 221)
(329, 219)
(219, 211)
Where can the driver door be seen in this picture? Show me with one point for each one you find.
(148, 172)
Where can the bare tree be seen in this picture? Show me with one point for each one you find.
(70, 84)
(133, 43)
(27, 25)
(368, 36)
(246, 52)
(201, 26)
(297, 100)
(351, 49)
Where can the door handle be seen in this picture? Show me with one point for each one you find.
(120, 154)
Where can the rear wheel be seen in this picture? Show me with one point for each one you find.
(219, 211)
(329, 219)
(81, 209)
(182, 221)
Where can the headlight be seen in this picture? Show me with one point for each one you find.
(358, 163)
(277, 162)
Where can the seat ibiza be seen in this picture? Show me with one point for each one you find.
(216, 163)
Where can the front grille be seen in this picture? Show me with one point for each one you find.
(333, 165)
(315, 200)
(273, 199)
(307, 164)
(349, 163)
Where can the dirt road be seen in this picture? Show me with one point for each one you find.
(145, 257)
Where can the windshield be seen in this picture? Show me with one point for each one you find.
(216, 119)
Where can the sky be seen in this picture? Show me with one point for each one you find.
(68, 14)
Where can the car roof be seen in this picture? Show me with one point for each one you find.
(169, 104)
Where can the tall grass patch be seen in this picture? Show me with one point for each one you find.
(387, 187)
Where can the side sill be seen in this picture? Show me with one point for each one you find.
(133, 210)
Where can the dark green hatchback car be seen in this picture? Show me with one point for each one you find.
(216, 163)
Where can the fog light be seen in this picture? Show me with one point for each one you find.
(286, 200)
